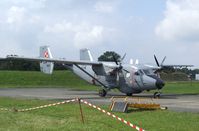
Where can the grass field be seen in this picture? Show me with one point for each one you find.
(66, 117)
(182, 87)
(37, 79)
(67, 79)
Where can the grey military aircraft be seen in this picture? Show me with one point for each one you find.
(127, 78)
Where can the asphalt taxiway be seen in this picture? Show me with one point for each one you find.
(175, 102)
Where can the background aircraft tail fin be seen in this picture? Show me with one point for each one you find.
(85, 54)
(46, 67)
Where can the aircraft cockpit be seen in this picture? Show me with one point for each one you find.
(148, 72)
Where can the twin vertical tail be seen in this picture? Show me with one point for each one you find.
(46, 67)
(85, 54)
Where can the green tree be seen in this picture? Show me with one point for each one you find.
(24, 65)
(109, 56)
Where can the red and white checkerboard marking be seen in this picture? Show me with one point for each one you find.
(114, 116)
(46, 55)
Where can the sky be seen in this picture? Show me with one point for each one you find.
(139, 28)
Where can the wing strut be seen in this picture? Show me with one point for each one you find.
(105, 87)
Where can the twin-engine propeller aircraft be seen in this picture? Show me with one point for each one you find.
(127, 78)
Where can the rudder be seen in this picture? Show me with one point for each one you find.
(85, 54)
(46, 67)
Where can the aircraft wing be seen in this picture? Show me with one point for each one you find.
(176, 66)
(62, 61)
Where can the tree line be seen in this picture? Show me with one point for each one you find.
(23, 65)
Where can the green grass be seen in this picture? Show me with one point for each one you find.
(66, 117)
(66, 79)
(182, 87)
(37, 79)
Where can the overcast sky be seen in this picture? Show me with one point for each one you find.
(139, 28)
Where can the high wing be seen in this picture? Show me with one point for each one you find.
(47, 61)
(62, 61)
(169, 66)
(177, 66)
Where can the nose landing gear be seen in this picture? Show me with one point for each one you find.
(157, 94)
(129, 94)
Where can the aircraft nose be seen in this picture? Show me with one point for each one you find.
(159, 83)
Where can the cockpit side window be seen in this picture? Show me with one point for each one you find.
(148, 72)
(139, 72)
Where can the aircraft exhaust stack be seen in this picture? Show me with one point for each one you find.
(46, 67)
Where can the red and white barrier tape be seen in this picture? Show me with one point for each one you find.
(114, 116)
(39, 107)
(83, 101)
(5, 109)
(44, 106)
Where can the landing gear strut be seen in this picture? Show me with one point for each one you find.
(102, 93)
(129, 94)
(157, 94)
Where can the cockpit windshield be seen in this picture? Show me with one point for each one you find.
(148, 72)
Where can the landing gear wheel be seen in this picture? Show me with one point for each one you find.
(102, 93)
(129, 94)
(156, 95)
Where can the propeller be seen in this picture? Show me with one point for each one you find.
(115, 60)
(156, 60)
(159, 65)
(120, 67)
(163, 60)
(123, 57)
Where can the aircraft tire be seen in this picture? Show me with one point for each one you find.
(129, 94)
(102, 93)
(156, 95)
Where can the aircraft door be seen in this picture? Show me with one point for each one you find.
(138, 79)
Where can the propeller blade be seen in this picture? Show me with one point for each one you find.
(163, 60)
(123, 57)
(115, 60)
(126, 71)
(156, 61)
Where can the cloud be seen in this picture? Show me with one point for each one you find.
(16, 15)
(104, 7)
(180, 21)
(82, 34)
(60, 27)
(28, 3)
(90, 37)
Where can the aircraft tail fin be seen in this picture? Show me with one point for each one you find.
(46, 67)
(85, 54)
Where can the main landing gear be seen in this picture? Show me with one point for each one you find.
(102, 93)
(129, 94)
(157, 94)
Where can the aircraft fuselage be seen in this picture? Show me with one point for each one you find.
(133, 80)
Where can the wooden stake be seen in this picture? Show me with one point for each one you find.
(81, 112)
